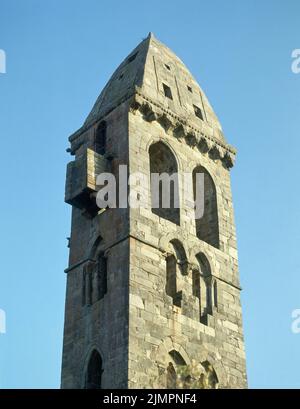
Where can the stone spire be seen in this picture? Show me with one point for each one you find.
(154, 70)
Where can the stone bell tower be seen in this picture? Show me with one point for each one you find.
(152, 292)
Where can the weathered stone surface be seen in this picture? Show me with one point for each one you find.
(141, 325)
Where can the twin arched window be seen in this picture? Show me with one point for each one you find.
(193, 376)
(204, 285)
(165, 193)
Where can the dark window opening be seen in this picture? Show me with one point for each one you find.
(215, 295)
(196, 283)
(132, 57)
(100, 138)
(171, 370)
(168, 67)
(163, 163)
(94, 372)
(207, 226)
(167, 91)
(189, 88)
(171, 281)
(176, 263)
(180, 255)
(121, 76)
(198, 112)
(177, 358)
(102, 277)
(208, 297)
(205, 303)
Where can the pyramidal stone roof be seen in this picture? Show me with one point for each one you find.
(154, 81)
(150, 65)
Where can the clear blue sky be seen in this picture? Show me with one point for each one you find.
(59, 56)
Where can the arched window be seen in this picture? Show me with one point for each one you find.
(176, 266)
(178, 361)
(172, 281)
(100, 138)
(94, 371)
(171, 284)
(207, 225)
(164, 183)
(180, 254)
(177, 358)
(211, 379)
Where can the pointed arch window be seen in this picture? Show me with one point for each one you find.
(164, 182)
(94, 371)
(176, 266)
(207, 224)
(176, 361)
(204, 288)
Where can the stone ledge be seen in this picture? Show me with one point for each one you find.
(172, 123)
(180, 129)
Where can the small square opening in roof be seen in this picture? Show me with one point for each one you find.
(168, 67)
(189, 88)
(121, 76)
(198, 112)
(167, 91)
(132, 57)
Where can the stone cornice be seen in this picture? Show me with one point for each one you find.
(181, 129)
(173, 124)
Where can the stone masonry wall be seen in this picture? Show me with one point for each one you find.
(156, 326)
(104, 324)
